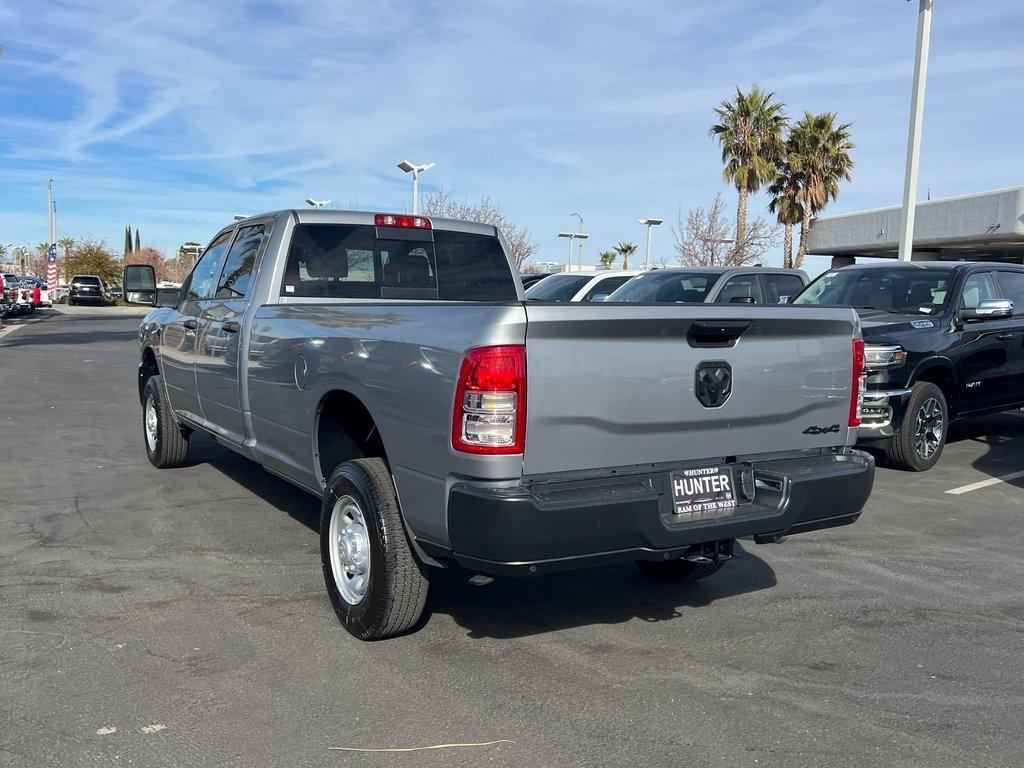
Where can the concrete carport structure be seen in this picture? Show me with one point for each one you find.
(988, 226)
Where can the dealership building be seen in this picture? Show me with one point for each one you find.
(988, 226)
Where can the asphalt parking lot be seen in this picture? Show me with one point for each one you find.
(166, 618)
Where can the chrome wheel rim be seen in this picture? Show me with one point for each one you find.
(350, 550)
(151, 423)
(928, 428)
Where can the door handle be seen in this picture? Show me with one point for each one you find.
(1006, 336)
(231, 327)
(191, 323)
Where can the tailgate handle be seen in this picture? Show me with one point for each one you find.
(716, 333)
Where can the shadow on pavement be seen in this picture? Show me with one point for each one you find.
(1002, 436)
(279, 493)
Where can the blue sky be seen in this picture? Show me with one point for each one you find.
(172, 116)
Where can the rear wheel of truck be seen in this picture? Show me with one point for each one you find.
(376, 585)
(921, 435)
(677, 571)
(166, 442)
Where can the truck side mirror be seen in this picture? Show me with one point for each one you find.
(139, 284)
(991, 309)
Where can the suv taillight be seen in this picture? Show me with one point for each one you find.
(490, 401)
(859, 380)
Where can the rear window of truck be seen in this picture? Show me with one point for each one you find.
(346, 261)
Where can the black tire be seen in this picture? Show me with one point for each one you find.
(396, 590)
(169, 445)
(678, 571)
(909, 450)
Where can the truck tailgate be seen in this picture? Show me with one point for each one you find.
(617, 385)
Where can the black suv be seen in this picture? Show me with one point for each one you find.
(88, 289)
(942, 343)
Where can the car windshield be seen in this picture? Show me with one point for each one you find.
(666, 287)
(557, 287)
(900, 290)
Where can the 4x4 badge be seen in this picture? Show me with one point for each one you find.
(813, 430)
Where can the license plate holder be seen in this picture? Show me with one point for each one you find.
(703, 493)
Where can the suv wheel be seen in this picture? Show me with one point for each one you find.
(376, 585)
(921, 435)
(166, 442)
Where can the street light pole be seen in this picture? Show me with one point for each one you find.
(579, 263)
(415, 170)
(649, 224)
(924, 31)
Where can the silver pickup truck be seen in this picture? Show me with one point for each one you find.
(389, 365)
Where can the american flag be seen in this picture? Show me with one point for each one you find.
(51, 269)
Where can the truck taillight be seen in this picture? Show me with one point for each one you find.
(490, 401)
(401, 220)
(859, 380)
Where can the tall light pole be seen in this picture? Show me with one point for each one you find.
(573, 236)
(649, 223)
(318, 204)
(924, 33)
(581, 239)
(415, 170)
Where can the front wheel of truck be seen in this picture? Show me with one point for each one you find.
(921, 436)
(677, 571)
(376, 585)
(166, 442)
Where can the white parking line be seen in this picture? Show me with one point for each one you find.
(985, 483)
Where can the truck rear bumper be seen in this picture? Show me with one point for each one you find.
(553, 526)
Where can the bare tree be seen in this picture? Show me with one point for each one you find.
(704, 238)
(443, 205)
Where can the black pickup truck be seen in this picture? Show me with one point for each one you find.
(943, 342)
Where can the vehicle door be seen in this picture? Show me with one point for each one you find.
(1011, 286)
(744, 288)
(781, 287)
(218, 363)
(986, 368)
(178, 340)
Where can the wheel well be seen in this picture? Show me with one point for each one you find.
(147, 368)
(345, 430)
(942, 377)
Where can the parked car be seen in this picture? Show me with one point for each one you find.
(389, 365)
(529, 278)
(578, 286)
(944, 342)
(39, 292)
(60, 294)
(19, 301)
(88, 289)
(6, 297)
(713, 285)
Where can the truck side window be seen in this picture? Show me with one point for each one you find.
(236, 275)
(1011, 286)
(977, 288)
(740, 288)
(202, 283)
(782, 286)
(607, 286)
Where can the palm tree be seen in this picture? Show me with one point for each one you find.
(607, 258)
(785, 202)
(821, 157)
(66, 243)
(625, 250)
(750, 132)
